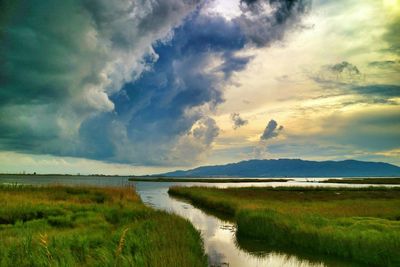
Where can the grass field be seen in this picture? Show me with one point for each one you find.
(205, 180)
(82, 226)
(358, 224)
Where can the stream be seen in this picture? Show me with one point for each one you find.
(218, 234)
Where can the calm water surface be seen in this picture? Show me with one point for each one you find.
(218, 234)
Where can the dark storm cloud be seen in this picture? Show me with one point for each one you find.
(233, 63)
(271, 130)
(60, 61)
(238, 121)
(51, 51)
(164, 109)
(80, 78)
(40, 61)
(265, 21)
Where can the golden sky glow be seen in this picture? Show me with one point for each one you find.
(279, 83)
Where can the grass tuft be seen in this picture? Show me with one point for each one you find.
(44, 242)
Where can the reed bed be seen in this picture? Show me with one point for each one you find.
(88, 226)
(357, 224)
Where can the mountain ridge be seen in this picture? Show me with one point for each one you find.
(292, 168)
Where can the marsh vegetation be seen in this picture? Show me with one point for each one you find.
(89, 226)
(358, 224)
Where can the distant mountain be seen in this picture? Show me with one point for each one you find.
(293, 168)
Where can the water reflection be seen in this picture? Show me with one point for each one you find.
(219, 237)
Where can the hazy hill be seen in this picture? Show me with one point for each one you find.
(293, 168)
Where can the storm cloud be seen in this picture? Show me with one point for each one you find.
(124, 81)
(61, 61)
(265, 21)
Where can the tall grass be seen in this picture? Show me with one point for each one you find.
(358, 224)
(84, 226)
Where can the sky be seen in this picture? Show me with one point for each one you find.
(140, 87)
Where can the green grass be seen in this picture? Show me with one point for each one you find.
(205, 180)
(357, 224)
(87, 226)
(364, 181)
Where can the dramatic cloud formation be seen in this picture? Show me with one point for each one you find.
(116, 81)
(271, 130)
(159, 112)
(162, 83)
(61, 61)
(238, 121)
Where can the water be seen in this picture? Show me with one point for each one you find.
(218, 234)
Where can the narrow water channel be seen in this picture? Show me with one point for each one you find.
(219, 235)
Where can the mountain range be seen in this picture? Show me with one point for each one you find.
(292, 168)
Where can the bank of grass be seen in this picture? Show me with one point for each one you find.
(358, 224)
(382, 181)
(206, 180)
(87, 226)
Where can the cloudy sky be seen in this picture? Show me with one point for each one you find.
(135, 87)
